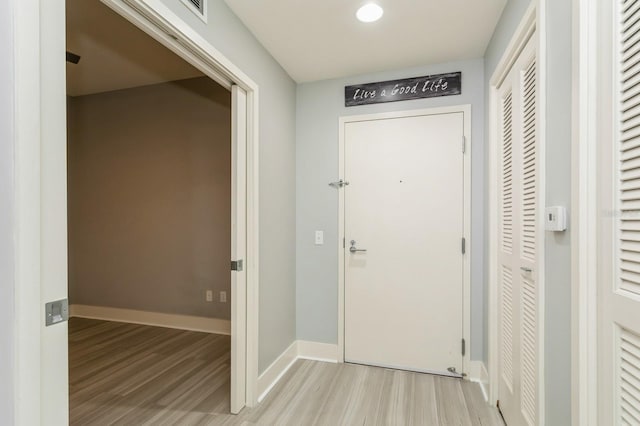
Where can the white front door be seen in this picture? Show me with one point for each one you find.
(404, 206)
(518, 292)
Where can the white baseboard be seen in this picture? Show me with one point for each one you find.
(324, 352)
(272, 375)
(181, 322)
(478, 374)
(299, 349)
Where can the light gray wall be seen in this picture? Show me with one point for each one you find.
(558, 187)
(558, 192)
(7, 319)
(149, 198)
(319, 106)
(277, 171)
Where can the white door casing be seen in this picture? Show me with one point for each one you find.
(618, 294)
(398, 207)
(519, 294)
(238, 248)
(41, 352)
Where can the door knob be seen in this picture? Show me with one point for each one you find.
(353, 248)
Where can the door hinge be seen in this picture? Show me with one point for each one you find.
(343, 242)
(464, 144)
(464, 245)
(464, 347)
(236, 265)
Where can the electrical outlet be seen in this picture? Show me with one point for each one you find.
(223, 296)
(319, 238)
(209, 296)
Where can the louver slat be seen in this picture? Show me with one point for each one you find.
(629, 149)
(530, 164)
(506, 351)
(506, 195)
(627, 166)
(629, 377)
(528, 351)
(528, 295)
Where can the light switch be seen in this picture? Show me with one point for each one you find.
(319, 238)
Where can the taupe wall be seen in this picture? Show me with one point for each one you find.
(277, 210)
(150, 198)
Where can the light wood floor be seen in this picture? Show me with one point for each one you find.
(129, 374)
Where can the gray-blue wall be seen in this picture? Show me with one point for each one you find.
(558, 187)
(558, 192)
(7, 295)
(319, 105)
(277, 170)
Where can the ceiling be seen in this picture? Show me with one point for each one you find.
(317, 40)
(114, 53)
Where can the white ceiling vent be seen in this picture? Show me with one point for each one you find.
(198, 7)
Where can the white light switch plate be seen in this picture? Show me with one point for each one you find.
(319, 238)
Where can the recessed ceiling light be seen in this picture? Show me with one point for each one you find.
(370, 12)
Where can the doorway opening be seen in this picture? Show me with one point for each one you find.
(156, 208)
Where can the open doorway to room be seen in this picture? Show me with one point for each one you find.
(149, 227)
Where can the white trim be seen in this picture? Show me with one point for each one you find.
(541, 57)
(584, 349)
(466, 299)
(27, 98)
(156, 319)
(299, 349)
(278, 368)
(478, 374)
(31, 27)
(325, 352)
(518, 42)
(533, 22)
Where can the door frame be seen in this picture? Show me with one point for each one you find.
(531, 25)
(40, 181)
(466, 276)
(584, 217)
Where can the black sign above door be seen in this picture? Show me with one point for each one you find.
(403, 90)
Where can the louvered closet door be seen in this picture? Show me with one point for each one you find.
(619, 292)
(518, 295)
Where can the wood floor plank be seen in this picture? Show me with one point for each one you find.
(127, 374)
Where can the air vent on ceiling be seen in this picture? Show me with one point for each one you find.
(198, 7)
(198, 4)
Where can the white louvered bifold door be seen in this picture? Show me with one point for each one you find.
(518, 292)
(619, 291)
